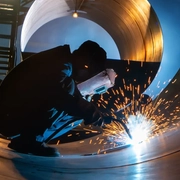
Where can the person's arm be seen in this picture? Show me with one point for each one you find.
(73, 103)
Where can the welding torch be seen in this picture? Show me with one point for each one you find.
(107, 120)
(124, 126)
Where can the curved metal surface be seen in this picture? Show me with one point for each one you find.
(133, 25)
(159, 158)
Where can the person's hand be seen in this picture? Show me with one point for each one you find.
(99, 119)
(107, 119)
(103, 120)
(90, 113)
(94, 119)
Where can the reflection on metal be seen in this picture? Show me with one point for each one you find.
(133, 25)
(159, 116)
(163, 128)
(158, 158)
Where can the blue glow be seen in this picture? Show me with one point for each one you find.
(167, 13)
(73, 31)
(140, 128)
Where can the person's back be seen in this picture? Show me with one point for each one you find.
(31, 75)
(28, 86)
(41, 83)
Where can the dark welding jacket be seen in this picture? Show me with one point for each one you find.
(36, 83)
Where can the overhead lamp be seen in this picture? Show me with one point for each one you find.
(77, 8)
(75, 14)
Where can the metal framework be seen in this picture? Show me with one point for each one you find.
(12, 15)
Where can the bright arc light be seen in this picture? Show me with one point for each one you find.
(140, 128)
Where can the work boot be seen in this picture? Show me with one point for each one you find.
(32, 147)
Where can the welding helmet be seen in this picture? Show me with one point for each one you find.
(90, 59)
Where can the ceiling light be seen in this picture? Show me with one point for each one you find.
(75, 15)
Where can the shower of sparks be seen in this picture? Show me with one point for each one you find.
(139, 126)
(143, 121)
(115, 133)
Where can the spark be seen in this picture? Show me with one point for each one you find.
(143, 121)
(174, 81)
(140, 128)
(58, 142)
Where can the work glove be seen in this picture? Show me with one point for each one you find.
(89, 112)
(99, 119)
(95, 118)
(103, 120)
(107, 119)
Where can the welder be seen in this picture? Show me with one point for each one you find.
(43, 88)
